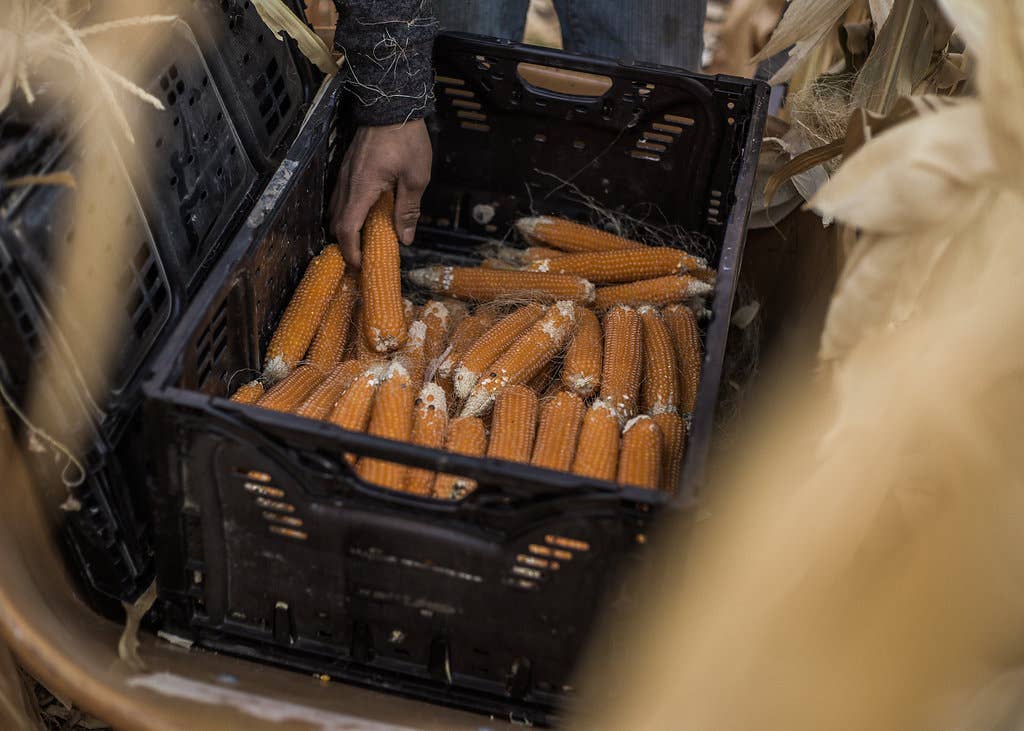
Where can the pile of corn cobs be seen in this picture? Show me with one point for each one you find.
(582, 353)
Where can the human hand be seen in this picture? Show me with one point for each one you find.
(395, 157)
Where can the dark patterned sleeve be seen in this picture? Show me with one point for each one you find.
(387, 44)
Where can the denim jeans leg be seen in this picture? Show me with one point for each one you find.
(500, 18)
(668, 32)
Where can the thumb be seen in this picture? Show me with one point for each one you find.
(407, 209)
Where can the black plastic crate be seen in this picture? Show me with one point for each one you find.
(268, 546)
(267, 84)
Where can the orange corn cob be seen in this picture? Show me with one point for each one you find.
(660, 391)
(484, 285)
(391, 418)
(623, 353)
(640, 457)
(560, 419)
(330, 340)
(430, 419)
(513, 425)
(248, 393)
(320, 402)
(384, 325)
(465, 436)
(489, 346)
(413, 354)
(541, 382)
(352, 410)
(597, 449)
(682, 326)
(289, 394)
(527, 357)
(571, 236)
(302, 316)
(628, 265)
(464, 335)
(660, 291)
(437, 318)
(581, 372)
(673, 439)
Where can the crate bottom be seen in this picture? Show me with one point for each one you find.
(375, 677)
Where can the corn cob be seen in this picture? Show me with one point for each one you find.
(289, 394)
(673, 440)
(640, 457)
(320, 402)
(465, 436)
(597, 449)
(430, 419)
(330, 340)
(354, 340)
(391, 418)
(302, 316)
(484, 285)
(660, 391)
(581, 372)
(437, 318)
(629, 265)
(571, 236)
(541, 383)
(465, 334)
(623, 353)
(384, 325)
(682, 326)
(513, 425)
(660, 291)
(489, 346)
(516, 257)
(352, 410)
(413, 356)
(248, 393)
(560, 419)
(533, 350)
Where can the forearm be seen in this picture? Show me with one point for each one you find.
(387, 45)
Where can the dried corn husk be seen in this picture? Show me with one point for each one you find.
(279, 17)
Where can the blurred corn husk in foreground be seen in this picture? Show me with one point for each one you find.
(862, 567)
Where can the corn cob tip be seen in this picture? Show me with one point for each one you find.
(433, 278)
(526, 226)
(433, 395)
(477, 402)
(438, 310)
(699, 289)
(589, 291)
(543, 265)
(634, 421)
(417, 334)
(464, 380)
(276, 370)
(580, 383)
(394, 369)
(660, 408)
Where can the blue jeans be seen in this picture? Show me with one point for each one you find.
(669, 32)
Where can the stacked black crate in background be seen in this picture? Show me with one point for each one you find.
(234, 96)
